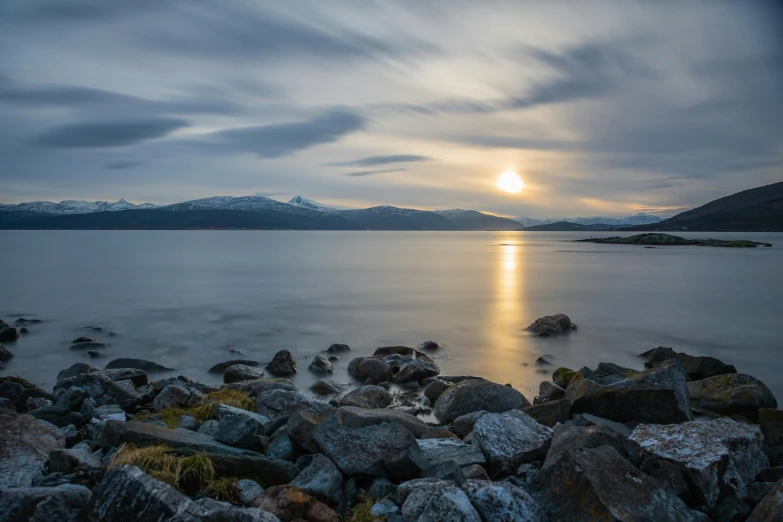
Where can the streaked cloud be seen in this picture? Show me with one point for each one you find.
(380, 160)
(362, 173)
(106, 133)
(123, 164)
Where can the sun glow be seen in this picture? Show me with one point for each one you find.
(510, 182)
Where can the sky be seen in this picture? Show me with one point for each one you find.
(603, 108)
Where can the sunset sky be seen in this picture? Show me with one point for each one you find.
(602, 108)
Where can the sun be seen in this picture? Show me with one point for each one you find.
(510, 182)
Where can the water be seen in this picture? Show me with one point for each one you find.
(185, 298)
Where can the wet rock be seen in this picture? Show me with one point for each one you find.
(241, 372)
(109, 412)
(19, 392)
(23, 321)
(772, 427)
(585, 419)
(445, 450)
(101, 389)
(282, 364)
(8, 334)
(551, 325)
(509, 439)
(240, 428)
(84, 339)
(551, 412)
(475, 472)
(438, 501)
(248, 491)
(770, 509)
(321, 364)
(221, 367)
(446, 470)
(732, 394)
(26, 443)
(289, 503)
(549, 391)
(74, 370)
(338, 348)
(89, 346)
(60, 417)
(406, 369)
(354, 417)
(176, 396)
(364, 368)
(326, 387)
(658, 395)
(70, 460)
(435, 389)
(715, 456)
(5, 354)
(280, 446)
(568, 437)
(599, 484)
(139, 364)
(208, 427)
(502, 501)
(281, 403)
(430, 345)
(474, 395)
(322, 480)
(65, 503)
(369, 396)
(463, 424)
(386, 449)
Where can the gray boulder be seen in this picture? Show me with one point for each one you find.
(282, 364)
(71, 399)
(109, 412)
(280, 447)
(434, 500)
(241, 372)
(550, 413)
(74, 370)
(731, 395)
(71, 460)
(322, 480)
(463, 424)
(209, 427)
(475, 472)
(445, 450)
(551, 325)
(369, 396)
(25, 447)
(101, 388)
(354, 417)
(570, 436)
(327, 387)
(321, 364)
(770, 509)
(406, 369)
(772, 427)
(502, 502)
(364, 368)
(281, 403)
(435, 389)
(248, 490)
(549, 391)
(139, 364)
(241, 428)
(65, 503)
(697, 368)
(259, 386)
(177, 396)
(446, 470)
(473, 395)
(289, 503)
(585, 419)
(221, 367)
(509, 439)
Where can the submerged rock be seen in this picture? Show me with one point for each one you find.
(8, 334)
(327, 387)
(241, 372)
(25, 447)
(139, 364)
(282, 364)
(551, 325)
(338, 348)
(473, 395)
(364, 368)
(435, 389)
(407, 369)
(177, 396)
(74, 370)
(369, 396)
(549, 391)
(321, 364)
(221, 367)
(732, 394)
(509, 439)
(88, 346)
(430, 345)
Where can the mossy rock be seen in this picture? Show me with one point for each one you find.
(563, 377)
(731, 395)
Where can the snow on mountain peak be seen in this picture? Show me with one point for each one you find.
(299, 201)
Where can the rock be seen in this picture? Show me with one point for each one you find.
(101, 388)
(385, 351)
(444, 450)
(26, 443)
(74, 370)
(280, 446)
(89, 346)
(405, 369)
(697, 368)
(325, 387)
(8, 334)
(176, 396)
(384, 509)
(463, 424)
(33, 403)
(248, 491)
(84, 339)
(509, 439)
(282, 364)
(502, 501)
(369, 396)
(771, 474)
(221, 367)
(551, 325)
(770, 509)
(241, 372)
(474, 395)
(446, 470)
(5, 354)
(72, 434)
(354, 417)
(772, 427)
(300, 430)
(23, 321)
(382, 487)
(93, 354)
(438, 432)
(321, 364)
(289, 503)
(732, 394)
(70, 460)
(139, 364)
(242, 430)
(136, 376)
(338, 348)
(438, 501)
(658, 395)
(60, 417)
(65, 503)
(280, 403)
(568, 437)
(585, 419)
(19, 392)
(386, 449)
(435, 389)
(209, 427)
(715, 456)
(322, 480)
(475, 472)
(109, 412)
(187, 422)
(430, 345)
(563, 377)
(551, 412)
(364, 368)
(549, 391)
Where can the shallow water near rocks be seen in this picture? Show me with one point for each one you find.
(185, 299)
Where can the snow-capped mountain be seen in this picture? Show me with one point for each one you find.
(71, 206)
(299, 201)
(622, 221)
(245, 203)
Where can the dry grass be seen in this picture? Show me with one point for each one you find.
(188, 474)
(205, 410)
(361, 512)
(231, 397)
(223, 489)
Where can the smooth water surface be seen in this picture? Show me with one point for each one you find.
(186, 298)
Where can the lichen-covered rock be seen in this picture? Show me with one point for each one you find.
(473, 395)
(354, 417)
(65, 503)
(177, 396)
(322, 480)
(697, 368)
(434, 500)
(551, 325)
(280, 403)
(369, 396)
(502, 502)
(321, 364)
(563, 377)
(550, 413)
(25, 444)
(290, 503)
(731, 394)
(570, 436)
(658, 395)
(384, 450)
(327, 387)
(586, 485)
(770, 509)
(509, 439)
(772, 428)
(444, 450)
(241, 372)
(282, 364)
(715, 456)
(363, 368)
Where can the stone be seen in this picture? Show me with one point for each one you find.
(438, 432)
(463, 424)
(509, 439)
(446, 470)
(321, 364)
(354, 417)
(300, 430)
(430, 345)
(585, 419)
(363, 368)
(8, 334)
(322, 480)
(5, 354)
(74, 370)
(65, 503)
(502, 502)
(697, 368)
(282, 403)
(444, 450)
(72, 399)
(659, 395)
(551, 325)
(570, 436)
(326, 387)
(282, 364)
(72, 434)
(385, 351)
(770, 509)
(70, 460)
(382, 487)
(33, 403)
(550, 413)
(221, 367)
(384, 509)
(549, 391)
(259, 386)
(289, 503)
(177, 396)
(474, 395)
(369, 396)
(772, 427)
(248, 491)
(139, 364)
(109, 412)
(475, 472)
(406, 369)
(731, 395)
(386, 450)
(242, 431)
(585, 485)
(435, 389)
(563, 377)
(209, 427)
(60, 417)
(101, 388)
(84, 339)
(241, 372)
(338, 348)
(715, 456)
(437, 501)
(88, 346)
(26, 443)
(281, 447)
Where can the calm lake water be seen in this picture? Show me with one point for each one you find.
(186, 298)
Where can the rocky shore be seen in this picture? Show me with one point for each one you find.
(686, 439)
(658, 239)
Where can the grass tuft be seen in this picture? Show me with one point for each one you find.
(224, 488)
(361, 512)
(195, 472)
(231, 397)
(204, 411)
(188, 474)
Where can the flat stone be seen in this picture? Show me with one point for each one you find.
(444, 450)
(509, 439)
(74, 370)
(101, 388)
(109, 412)
(25, 447)
(241, 372)
(502, 501)
(354, 417)
(473, 395)
(550, 413)
(369, 396)
(65, 503)
(70, 460)
(731, 395)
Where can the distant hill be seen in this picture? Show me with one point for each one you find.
(759, 209)
(622, 221)
(475, 220)
(567, 226)
(393, 218)
(71, 206)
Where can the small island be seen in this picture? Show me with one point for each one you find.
(668, 239)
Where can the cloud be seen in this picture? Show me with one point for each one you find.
(123, 164)
(380, 160)
(268, 194)
(106, 133)
(371, 172)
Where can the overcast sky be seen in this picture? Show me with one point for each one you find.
(602, 108)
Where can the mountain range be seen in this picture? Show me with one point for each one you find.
(624, 221)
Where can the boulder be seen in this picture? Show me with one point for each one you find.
(8, 334)
(658, 395)
(445, 450)
(326, 387)
(5, 354)
(585, 419)
(435, 389)
(549, 391)
(300, 430)
(134, 375)
(282, 364)
(26, 443)
(430, 345)
(697, 368)
(407, 369)
(354, 417)
(446, 470)
(101, 389)
(563, 377)
(385, 351)
(731, 395)
(473, 395)
(281, 447)
(71, 460)
(715, 456)
(65, 503)
(772, 427)
(369, 396)
(338, 348)
(289, 503)
(60, 417)
(550, 413)
(322, 480)
(72, 399)
(74, 370)
(139, 364)
(364, 368)
(109, 412)
(281, 403)
(248, 491)
(321, 364)
(502, 501)
(241, 428)
(33, 403)
(177, 396)
(241, 372)
(463, 424)
(551, 325)
(770, 509)
(209, 427)
(509, 439)
(434, 500)
(570, 436)
(385, 450)
(221, 367)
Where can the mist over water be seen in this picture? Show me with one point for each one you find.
(184, 299)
